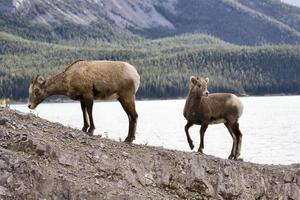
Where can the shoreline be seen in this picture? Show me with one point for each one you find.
(152, 99)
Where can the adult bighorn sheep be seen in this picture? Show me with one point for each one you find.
(203, 109)
(87, 81)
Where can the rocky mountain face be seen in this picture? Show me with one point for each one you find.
(44, 160)
(124, 13)
(250, 22)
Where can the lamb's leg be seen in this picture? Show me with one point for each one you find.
(234, 145)
(89, 107)
(186, 128)
(239, 140)
(128, 105)
(202, 132)
(85, 123)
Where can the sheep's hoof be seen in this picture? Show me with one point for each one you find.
(85, 128)
(238, 159)
(129, 140)
(200, 150)
(231, 157)
(90, 132)
(191, 146)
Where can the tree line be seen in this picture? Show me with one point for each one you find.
(164, 69)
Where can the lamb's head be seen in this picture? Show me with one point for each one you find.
(37, 91)
(198, 86)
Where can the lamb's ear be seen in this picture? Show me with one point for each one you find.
(193, 80)
(207, 79)
(40, 80)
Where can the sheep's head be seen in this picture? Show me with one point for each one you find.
(37, 91)
(198, 86)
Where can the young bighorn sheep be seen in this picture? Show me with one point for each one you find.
(87, 81)
(203, 109)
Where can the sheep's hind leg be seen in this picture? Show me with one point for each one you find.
(186, 128)
(89, 107)
(128, 105)
(239, 136)
(233, 150)
(84, 113)
(202, 132)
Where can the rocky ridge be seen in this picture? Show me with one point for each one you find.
(125, 13)
(44, 160)
(242, 22)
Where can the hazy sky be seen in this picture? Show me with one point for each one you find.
(293, 2)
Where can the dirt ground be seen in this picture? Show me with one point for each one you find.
(44, 160)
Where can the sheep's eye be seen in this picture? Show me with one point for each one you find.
(36, 91)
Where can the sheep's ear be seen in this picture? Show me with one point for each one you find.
(33, 78)
(207, 79)
(41, 80)
(193, 80)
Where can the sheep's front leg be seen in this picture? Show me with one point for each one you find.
(84, 113)
(202, 132)
(89, 107)
(186, 128)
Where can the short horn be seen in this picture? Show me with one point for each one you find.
(207, 79)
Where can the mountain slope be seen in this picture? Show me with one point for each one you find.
(284, 13)
(228, 20)
(53, 21)
(251, 22)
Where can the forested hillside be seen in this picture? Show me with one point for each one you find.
(165, 65)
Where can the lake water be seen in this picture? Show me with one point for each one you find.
(270, 126)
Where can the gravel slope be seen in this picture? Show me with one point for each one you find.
(44, 160)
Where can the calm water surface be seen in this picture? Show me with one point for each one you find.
(270, 126)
